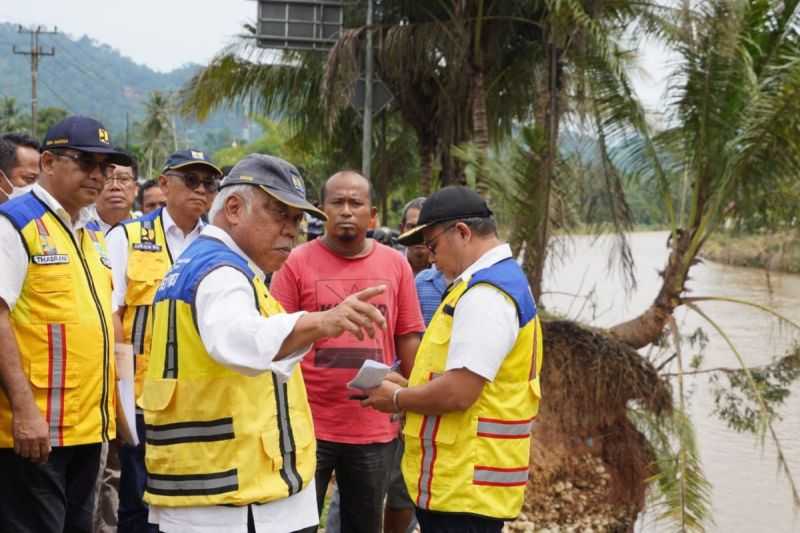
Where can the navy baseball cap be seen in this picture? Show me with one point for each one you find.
(191, 156)
(450, 203)
(84, 134)
(275, 177)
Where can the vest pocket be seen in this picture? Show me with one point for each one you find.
(157, 394)
(55, 390)
(52, 297)
(145, 272)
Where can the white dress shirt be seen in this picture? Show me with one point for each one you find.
(14, 258)
(117, 244)
(485, 323)
(237, 336)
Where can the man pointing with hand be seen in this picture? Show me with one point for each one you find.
(230, 441)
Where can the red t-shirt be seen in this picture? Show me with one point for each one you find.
(315, 279)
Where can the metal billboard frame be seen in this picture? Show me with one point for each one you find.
(299, 24)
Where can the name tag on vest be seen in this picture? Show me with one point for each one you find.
(147, 247)
(53, 259)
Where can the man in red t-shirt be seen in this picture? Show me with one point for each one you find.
(354, 442)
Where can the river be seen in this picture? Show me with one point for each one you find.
(749, 495)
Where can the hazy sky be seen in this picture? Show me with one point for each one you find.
(165, 34)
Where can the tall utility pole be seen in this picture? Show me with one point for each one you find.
(35, 52)
(366, 146)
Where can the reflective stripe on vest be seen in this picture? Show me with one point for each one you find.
(430, 426)
(183, 432)
(139, 328)
(504, 429)
(289, 469)
(57, 351)
(194, 484)
(500, 477)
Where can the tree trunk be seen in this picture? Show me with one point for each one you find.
(480, 131)
(647, 327)
(548, 117)
(426, 150)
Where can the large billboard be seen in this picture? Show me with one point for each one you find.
(299, 24)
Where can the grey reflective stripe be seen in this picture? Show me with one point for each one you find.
(289, 471)
(171, 364)
(199, 431)
(430, 426)
(485, 475)
(504, 429)
(139, 328)
(57, 378)
(193, 484)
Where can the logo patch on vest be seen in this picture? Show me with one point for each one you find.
(147, 247)
(50, 259)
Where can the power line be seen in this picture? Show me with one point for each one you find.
(34, 52)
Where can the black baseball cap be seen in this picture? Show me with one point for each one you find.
(190, 156)
(84, 134)
(275, 177)
(449, 203)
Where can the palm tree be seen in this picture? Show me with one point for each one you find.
(158, 131)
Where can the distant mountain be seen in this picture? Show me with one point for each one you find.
(91, 78)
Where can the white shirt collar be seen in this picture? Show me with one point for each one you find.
(489, 258)
(209, 230)
(169, 223)
(84, 215)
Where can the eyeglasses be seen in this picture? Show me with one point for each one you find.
(431, 244)
(124, 180)
(194, 180)
(87, 163)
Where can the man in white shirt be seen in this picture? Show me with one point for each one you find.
(141, 252)
(56, 346)
(235, 392)
(116, 201)
(475, 382)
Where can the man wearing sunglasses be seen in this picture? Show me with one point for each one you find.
(57, 367)
(474, 389)
(142, 250)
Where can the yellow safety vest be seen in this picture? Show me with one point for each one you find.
(149, 260)
(62, 322)
(476, 461)
(215, 436)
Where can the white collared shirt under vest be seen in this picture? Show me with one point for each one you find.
(14, 258)
(117, 245)
(237, 336)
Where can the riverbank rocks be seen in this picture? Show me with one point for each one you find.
(577, 504)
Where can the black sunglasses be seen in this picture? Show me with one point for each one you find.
(87, 163)
(194, 180)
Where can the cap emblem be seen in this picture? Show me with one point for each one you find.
(102, 136)
(298, 183)
(198, 155)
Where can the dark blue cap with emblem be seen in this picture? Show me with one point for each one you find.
(83, 134)
(190, 156)
(276, 177)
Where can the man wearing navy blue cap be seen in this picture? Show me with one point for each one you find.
(57, 370)
(223, 378)
(142, 250)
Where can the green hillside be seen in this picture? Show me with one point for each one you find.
(91, 78)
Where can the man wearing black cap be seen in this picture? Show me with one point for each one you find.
(142, 250)
(230, 441)
(474, 390)
(57, 366)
